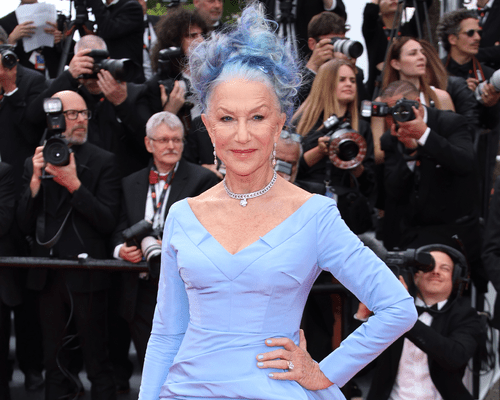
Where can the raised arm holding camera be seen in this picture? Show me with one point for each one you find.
(431, 177)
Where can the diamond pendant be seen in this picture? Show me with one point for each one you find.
(243, 202)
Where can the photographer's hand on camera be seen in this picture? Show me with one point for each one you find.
(173, 102)
(409, 132)
(316, 154)
(130, 253)
(81, 64)
(8, 79)
(65, 175)
(489, 95)
(38, 165)
(323, 52)
(26, 29)
(114, 91)
(472, 83)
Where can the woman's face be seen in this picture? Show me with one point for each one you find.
(346, 85)
(412, 61)
(244, 121)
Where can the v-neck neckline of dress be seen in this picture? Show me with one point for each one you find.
(286, 221)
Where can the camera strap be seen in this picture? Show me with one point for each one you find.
(154, 177)
(40, 229)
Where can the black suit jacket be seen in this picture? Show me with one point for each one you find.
(95, 209)
(306, 9)
(20, 137)
(489, 53)
(449, 343)
(10, 278)
(491, 249)
(122, 27)
(443, 188)
(190, 180)
(52, 55)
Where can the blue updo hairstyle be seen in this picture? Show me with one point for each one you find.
(250, 51)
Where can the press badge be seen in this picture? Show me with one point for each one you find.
(38, 60)
(331, 194)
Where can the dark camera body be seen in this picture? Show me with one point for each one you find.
(348, 47)
(166, 58)
(9, 58)
(143, 236)
(124, 70)
(347, 148)
(56, 150)
(402, 111)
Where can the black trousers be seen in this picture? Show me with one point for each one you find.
(58, 307)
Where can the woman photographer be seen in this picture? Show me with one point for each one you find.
(333, 92)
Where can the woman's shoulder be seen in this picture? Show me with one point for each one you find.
(445, 99)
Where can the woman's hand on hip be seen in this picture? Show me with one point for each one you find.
(297, 362)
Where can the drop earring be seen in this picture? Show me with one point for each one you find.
(274, 155)
(215, 157)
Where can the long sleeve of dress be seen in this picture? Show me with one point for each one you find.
(372, 282)
(169, 323)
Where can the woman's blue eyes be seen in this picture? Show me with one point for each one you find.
(229, 119)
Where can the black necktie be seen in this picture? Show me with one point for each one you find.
(482, 13)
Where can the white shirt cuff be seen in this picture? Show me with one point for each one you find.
(11, 93)
(116, 252)
(424, 137)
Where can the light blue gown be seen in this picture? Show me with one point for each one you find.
(215, 310)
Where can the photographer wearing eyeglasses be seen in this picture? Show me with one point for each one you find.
(147, 197)
(70, 207)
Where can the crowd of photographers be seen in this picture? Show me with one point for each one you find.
(93, 155)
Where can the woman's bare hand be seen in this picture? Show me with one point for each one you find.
(296, 360)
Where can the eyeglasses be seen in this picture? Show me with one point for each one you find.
(73, 114)
(163, 141)
(290, 135)
(471, 32)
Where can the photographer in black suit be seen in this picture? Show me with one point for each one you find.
(148, 194)
(430, 359)
(120, 24)
(489, 47)
(71, 214)
(112, 126)
(431, 179)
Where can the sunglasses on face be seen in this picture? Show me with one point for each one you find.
(471, 32)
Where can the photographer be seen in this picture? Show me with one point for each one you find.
(43, 59)
(120, 23)
(300, 14)
(430, 177)
(378, 24)
(211, 12)
(321, 30)
(489, 47)
(70, 214)
(19, 86)
(429, 361)
(113, 124)
(148, 195)
(334, 92)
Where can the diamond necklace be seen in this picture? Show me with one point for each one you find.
(244, 196)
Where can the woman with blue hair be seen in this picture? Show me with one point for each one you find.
(238, 261)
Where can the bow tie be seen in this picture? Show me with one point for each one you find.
(155, 177)
(431, 310)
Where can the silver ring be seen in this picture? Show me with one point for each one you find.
(290, 365)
